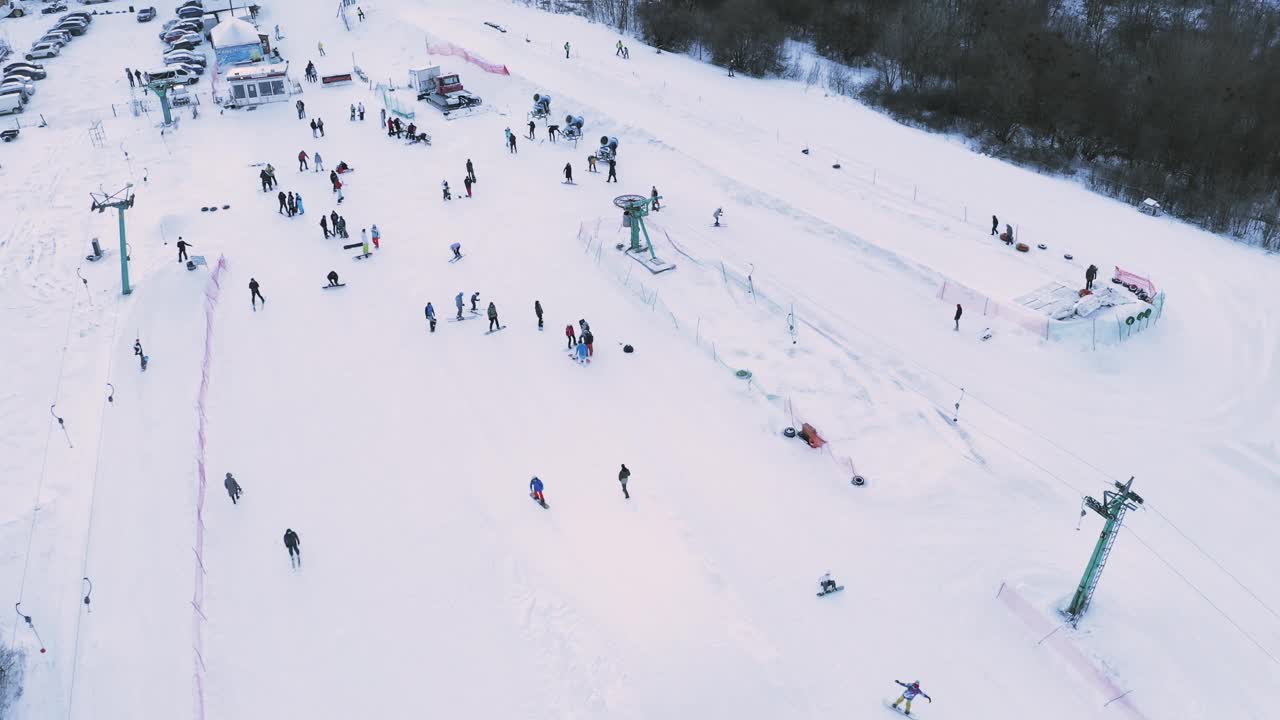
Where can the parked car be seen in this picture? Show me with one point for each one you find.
(72, 27)
(185, 56)
(62, 37)
(182, 45)
(93, 2)
(43, 50)
(28, 88)
(37, 70)
(191, 68)
(146, 14)
(189, 12)
(78, 15)
(180, 28)
(191, 3)
(14, 11)
(10, 104)
(54, 8)
(6, 95)
(25, 73)
(176, 33)
(172, 73)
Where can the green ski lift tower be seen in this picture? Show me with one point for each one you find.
(1113, 507)
(121, 201)
(635, 208)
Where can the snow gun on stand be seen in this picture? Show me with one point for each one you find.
(573, 128)
(608, 149)
(541, 107)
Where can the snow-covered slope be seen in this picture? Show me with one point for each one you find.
(432, 584)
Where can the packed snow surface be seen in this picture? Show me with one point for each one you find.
(432, 585)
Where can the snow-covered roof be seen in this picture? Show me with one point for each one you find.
(232, 32)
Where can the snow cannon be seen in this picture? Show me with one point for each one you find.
(608, 148)
(573, 128)
(541, 107)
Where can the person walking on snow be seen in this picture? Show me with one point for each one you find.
(613, 171)
(294, 546)
(910, 694)
(376, 235)
(182, 248)
(255, 295)
(568, 173)
(319, 162)
(266, 181)
(466, 183)
(320, 126)
(471, 170)
(537, 310)
(128, 74)
(384, 116)
(314, 128)
(566, 50)
(591, 163)
(618, 52)
(301, 109)
(297, 198)
(353, 113)
(653, 193)
(457, 254)
(291, 207)
(493, 318)
(284, 202)
(458, 301)
(959, 312)
(320, 47)
(531, 128)
(324, 225)
(535, 489)
(302, 160)
(233, 488)
(623, 475)
(568, 332)
(431, 316)
(995, 225)
(360, 13)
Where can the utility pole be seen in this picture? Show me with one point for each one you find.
(121, 201)
(1113, 507)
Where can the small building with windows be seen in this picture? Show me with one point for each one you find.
(236, 42)
(258, 84)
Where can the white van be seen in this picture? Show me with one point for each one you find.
(172, 73)
(10, 104)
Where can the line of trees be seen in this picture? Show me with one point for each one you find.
(1171, 99)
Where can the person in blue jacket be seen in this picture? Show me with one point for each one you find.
(535, 488)
(431, 316)
(581, 351)
(458, 301)
(909, 694)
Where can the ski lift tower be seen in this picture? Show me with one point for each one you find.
(121, 201)
(1113, 508)
(161, 88)
(635, 208)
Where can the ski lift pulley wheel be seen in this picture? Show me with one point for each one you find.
(744, 374)
(789, 432)
(628, 349)
(626, 201)
(858, 481)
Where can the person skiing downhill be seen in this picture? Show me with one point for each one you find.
(493, 318)
(458, 302)
(568, 332)
(623, 475)
(457, 254)
(294, 546)
(431, 316)
(535, 489)
(537, 310)
(909, 694)
(182, 248)
(255, 295)
(959, 312)
(233, 488)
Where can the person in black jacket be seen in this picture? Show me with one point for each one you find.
(995, 224)
(1089, 276)
(493, 318)
(537, 310)
(294, 546)
(959, 312)
(284, 202)
(233, 488)
(182, 248)
(623, 475)
(255, 295)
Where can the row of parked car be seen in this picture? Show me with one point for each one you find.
(183, 65)
(19, 80)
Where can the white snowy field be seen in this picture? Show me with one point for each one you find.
(432, 584)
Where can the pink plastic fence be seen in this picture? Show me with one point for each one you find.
(1129, 278)
(455, 51)
(212, 291)
(1108, 692)
(974, 302)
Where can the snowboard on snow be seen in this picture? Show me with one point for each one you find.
(500, 327)
(543, 503)
(459, 319)
(985, 334)
(326, 287)
(837, 589)
(361, 256)
(454, 260)
(899, 710)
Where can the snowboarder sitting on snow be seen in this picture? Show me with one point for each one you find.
(233, 488)
(444, 188)
(909, 694)
(333, 278)
(828, 585)
(493, 318)
(343, 167)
